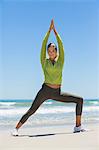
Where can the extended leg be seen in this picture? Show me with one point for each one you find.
(39, 99)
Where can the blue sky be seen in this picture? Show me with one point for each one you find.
(23, 26)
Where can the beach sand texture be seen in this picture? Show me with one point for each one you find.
(54, 138)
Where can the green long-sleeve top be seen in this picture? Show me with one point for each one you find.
(52, 73)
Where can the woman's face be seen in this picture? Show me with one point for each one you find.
(52, 52)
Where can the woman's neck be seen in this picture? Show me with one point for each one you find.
(53, 61)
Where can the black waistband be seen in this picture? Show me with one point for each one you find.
(44, 84)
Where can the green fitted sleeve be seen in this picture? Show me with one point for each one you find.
(43, 49)
(61, 50)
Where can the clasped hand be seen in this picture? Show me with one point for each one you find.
(52, 27)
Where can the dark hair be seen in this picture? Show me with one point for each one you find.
(50, 44)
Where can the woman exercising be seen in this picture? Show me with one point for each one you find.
(51, 88)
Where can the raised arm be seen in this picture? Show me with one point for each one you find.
(43, 49)
(60, 46)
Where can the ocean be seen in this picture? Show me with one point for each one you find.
(50, 113)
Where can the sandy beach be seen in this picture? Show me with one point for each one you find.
(51, 138)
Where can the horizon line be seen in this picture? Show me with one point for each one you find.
(48, 99)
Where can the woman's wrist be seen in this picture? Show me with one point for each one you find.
(49, 30)
(55, 31)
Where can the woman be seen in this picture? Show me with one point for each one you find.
(51, 88)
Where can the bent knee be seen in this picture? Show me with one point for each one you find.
(81, 100)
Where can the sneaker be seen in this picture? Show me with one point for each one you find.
(78, 129)
(14, 132)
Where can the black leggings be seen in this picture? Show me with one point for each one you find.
(47, 92)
